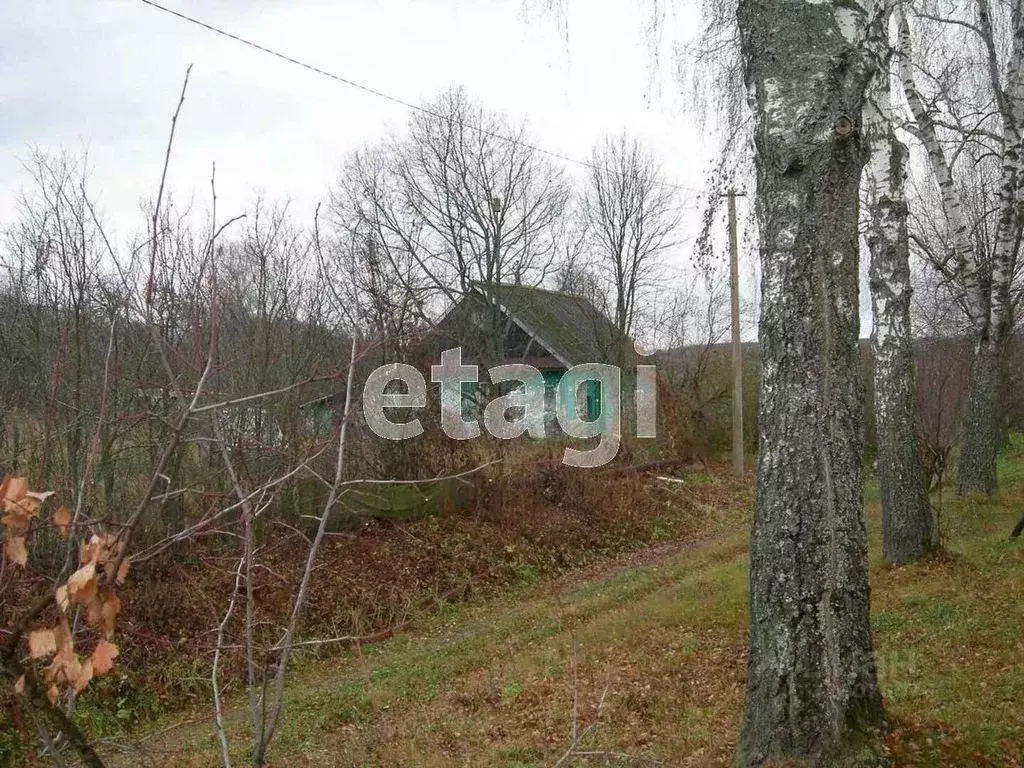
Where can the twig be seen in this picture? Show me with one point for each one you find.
(300, 597)
(248, 517)
(214, 674)
(90, 457)
(36, 696)
(160, 192)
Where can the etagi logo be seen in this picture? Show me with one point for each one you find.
(527, 398)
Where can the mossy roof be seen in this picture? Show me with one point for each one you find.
(569, 326)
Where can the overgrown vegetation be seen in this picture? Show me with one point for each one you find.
(192, 397)
(491, 681)
(485, 676)
(525, 523)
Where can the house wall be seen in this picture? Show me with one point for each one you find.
(581, 397)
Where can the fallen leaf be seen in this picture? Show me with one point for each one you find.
(16, 552)
(41, 643)
(62, 597)
(16, 524)
(19, 686)
(103, 656)
(122, 570)
(15, 489)
(83, 677)
(52, 693)
(62, 521)
(111, 607)
(82, 584)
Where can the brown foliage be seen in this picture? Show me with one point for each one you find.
(88, 587)
(525, 521)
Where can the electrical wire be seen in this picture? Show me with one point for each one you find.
(395, 99)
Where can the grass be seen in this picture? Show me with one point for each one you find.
(662, 644)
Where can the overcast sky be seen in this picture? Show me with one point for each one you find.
(105, 75)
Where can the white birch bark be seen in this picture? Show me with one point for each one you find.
(985, 279)
(1010, 100)
(907, 531)
(962, 256)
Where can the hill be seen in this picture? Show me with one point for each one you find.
(642, 658)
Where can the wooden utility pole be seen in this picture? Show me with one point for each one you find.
(737, 347)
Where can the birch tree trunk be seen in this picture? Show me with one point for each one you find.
(986, 279)
(907, 532)
(812, 690)
(979, 421)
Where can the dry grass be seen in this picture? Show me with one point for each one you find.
(491, 682)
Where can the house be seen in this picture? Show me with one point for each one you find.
(552, 331)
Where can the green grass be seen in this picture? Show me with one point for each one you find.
(656, 657)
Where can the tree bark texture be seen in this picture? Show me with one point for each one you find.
(812, 690)
(907, 529)
(979, 421)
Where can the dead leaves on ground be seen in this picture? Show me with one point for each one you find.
(101, 565)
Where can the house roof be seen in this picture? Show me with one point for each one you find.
(569, 326)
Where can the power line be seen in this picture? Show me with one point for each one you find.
(393, 99)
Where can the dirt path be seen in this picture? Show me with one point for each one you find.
(163, 746)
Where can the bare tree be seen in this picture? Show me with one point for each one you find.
(466, 197)
(169, 307)
(575, 272)
(56, 249)
(970, 121)
(102, 558)
(379, 247)
(693, 327)
(631, 216)
(380, 243)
